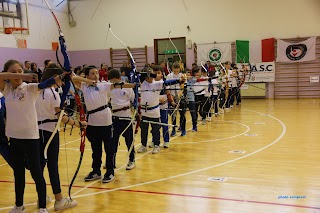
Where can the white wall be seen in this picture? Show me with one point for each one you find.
(138, 22)
(42, 27)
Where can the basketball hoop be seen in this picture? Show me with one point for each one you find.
(20, 35)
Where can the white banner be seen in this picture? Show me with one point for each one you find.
(296, 52)
(260, 72)
(220, 52)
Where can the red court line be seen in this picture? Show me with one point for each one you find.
(187, 195)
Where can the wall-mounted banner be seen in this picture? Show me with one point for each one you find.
(296, 52)
(220, 52)
(260, 72)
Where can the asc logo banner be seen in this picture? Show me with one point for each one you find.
(260, 72)
(296, 52)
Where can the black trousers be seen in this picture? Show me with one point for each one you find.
(238, 95)
(182, 112)
(233, 95)
(119, 126)
(200, 99)
(29, 148)
(96, 135)
(193, 113)
(53, 158)
(155, 131)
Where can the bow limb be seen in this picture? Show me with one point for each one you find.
(66, 88)
(82, 117)
(180, 62)
(134, 79)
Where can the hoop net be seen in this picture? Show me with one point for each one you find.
(19, 34)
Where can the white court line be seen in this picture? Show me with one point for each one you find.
(77, 192)
(4, 164)
(220, 139)
(284, 130)
(188, 173)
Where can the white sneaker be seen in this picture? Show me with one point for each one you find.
(216, 114)
(65, 203)
(17, 209)
(221, 111)
(204, 122)
(142, 149)
(209, 119)
(48, 200)
(166, 145)
(151, 145)
(156, 149)
(43, 211)
(130, 165)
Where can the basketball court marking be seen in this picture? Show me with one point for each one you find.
(192, 172)
(284, 130)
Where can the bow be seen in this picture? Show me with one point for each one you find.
(182, 86)
(134, 79)
(67, 68)
(177, 51)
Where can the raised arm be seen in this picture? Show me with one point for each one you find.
(8, 76)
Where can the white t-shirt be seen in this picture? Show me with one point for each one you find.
(121, 98)
(21, 111)
(151, 98)
(1, 95)
(47, 100)
(234, 80)
(200, 87)
(172, 76)
(215, 88)
(94, 98)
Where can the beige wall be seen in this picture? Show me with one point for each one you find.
(138, 22)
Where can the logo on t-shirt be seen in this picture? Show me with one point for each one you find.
(21, 96)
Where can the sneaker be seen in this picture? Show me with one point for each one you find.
(231, 106)
(142, 149)
(183, 133)
(151, 145)
(221, 111)
(216, 114)
(204, 122)
(194, 129)
(92, 176)
(131, 165)
(173, 133)
(209, 119)
(43, 211)
(156, 149)
(48, 200)
(108, 178)
(179, 129)
(17, 209)
(166, 145)
(65, 203)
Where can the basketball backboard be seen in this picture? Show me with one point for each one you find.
(13, 13)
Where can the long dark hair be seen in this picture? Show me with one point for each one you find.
(51, 71)
(10, 63)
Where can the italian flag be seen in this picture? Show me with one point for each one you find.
(255, 51)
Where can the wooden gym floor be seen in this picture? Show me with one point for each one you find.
(277, 154)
